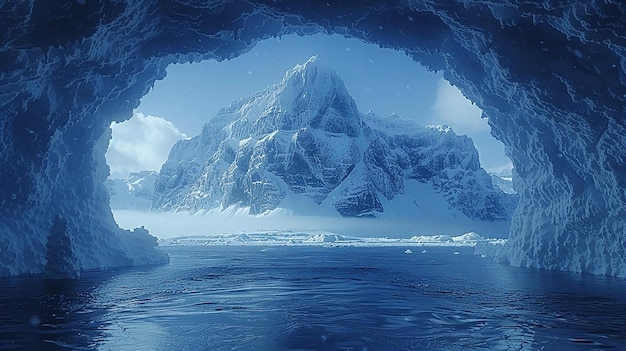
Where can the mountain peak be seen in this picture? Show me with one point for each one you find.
(313, 73)
(312, 61)
(313, 95)
(312, 64)
(302, 145)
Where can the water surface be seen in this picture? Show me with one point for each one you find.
(316, 298)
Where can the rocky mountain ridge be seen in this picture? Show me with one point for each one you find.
(303, 141)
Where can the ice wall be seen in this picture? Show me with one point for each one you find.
(551, 75)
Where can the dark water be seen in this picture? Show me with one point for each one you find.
(313, 298)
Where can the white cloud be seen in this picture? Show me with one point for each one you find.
(141, 143)
(453, 109)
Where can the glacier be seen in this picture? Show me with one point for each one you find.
(133, 193)
(323, 238)
(550, 75)
(302, 146)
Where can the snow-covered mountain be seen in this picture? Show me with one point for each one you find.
(302, 146)
(503, 179)
(504, 183)
(133, 193)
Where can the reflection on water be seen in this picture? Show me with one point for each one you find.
(40, 314)
(308, 298)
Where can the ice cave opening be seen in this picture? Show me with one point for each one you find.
(384, 82)
(551, 78)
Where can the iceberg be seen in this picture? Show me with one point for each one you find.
(489, 248)
(323, 238)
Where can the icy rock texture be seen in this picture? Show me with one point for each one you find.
(60, 254)
(551, 76)
(305, 136)
(299, 134)
(132, 193)
(66, 72)
(504, 182)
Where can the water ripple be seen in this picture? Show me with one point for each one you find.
(316, 299)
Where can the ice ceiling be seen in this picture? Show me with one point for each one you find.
(550, 75)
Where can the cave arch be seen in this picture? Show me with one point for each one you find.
(551, 77)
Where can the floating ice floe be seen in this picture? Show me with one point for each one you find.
(489, 248)
(315, 238)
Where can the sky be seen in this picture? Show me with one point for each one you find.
(384, 81)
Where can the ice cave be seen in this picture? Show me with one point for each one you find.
(551, 76)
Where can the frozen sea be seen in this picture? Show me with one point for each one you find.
(315, 298)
